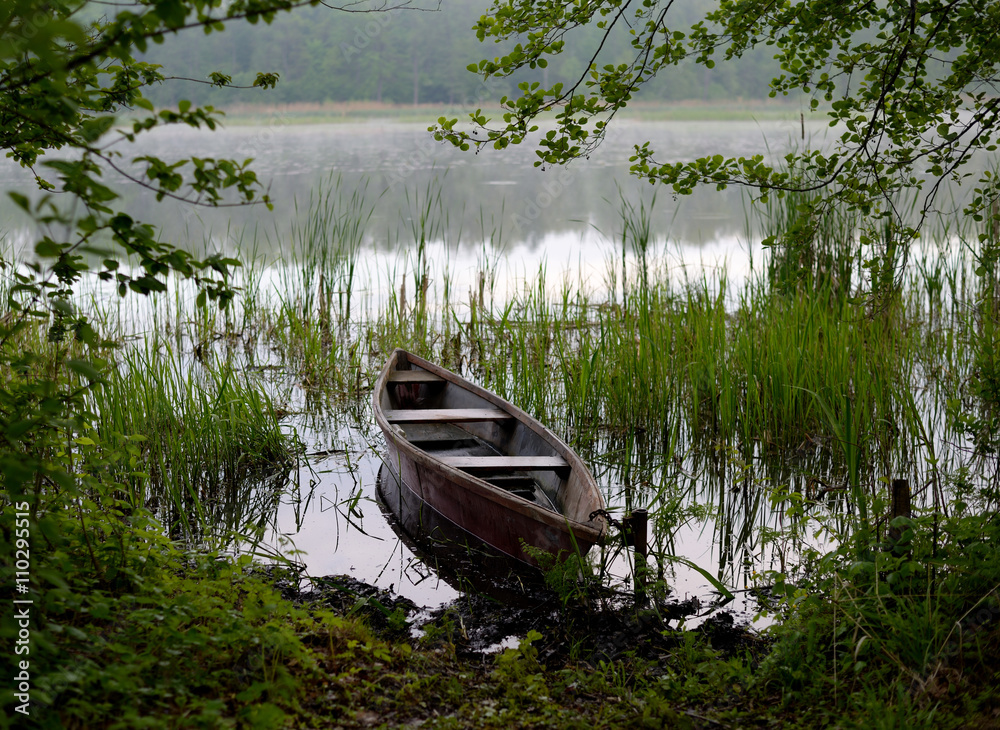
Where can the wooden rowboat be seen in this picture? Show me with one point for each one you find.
(479, 463)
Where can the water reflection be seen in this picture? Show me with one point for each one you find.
(334, 525)
(488, 193)
(439, 547)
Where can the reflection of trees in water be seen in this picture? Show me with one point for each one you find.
(225, 505)
(490, 191)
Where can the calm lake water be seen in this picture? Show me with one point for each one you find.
(503, 189)
(493, 204)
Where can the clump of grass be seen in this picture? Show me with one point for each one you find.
(889, 629)
(213, 456)
(816, 253)
(310, 328)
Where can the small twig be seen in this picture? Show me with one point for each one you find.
(696, 716)
(86, 537)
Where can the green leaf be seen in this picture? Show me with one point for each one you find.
(20, 200)
(85, 368)
(94, 129)
(47, 248)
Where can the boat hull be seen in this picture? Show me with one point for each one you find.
(460, 558)
(431, 490)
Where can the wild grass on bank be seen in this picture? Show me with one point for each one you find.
(211, 458)
(779, 385)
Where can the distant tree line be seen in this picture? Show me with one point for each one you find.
(413, 56)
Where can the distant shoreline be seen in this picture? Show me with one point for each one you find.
(355, 112)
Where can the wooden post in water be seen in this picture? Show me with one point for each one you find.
(637, 532)
(900, 507)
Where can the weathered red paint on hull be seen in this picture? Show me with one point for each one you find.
(492, 522)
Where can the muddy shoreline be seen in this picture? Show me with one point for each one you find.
(607, 627)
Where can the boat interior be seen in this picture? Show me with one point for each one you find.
(465, 431)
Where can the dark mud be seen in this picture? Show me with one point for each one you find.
(604, 626)
(385, 612)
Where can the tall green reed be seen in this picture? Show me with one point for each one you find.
(214, 456)
(316, 290)
(427, 223)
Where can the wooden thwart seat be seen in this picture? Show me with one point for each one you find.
(435, 432)
(413, 376)
(446, 415)
(506, 463)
